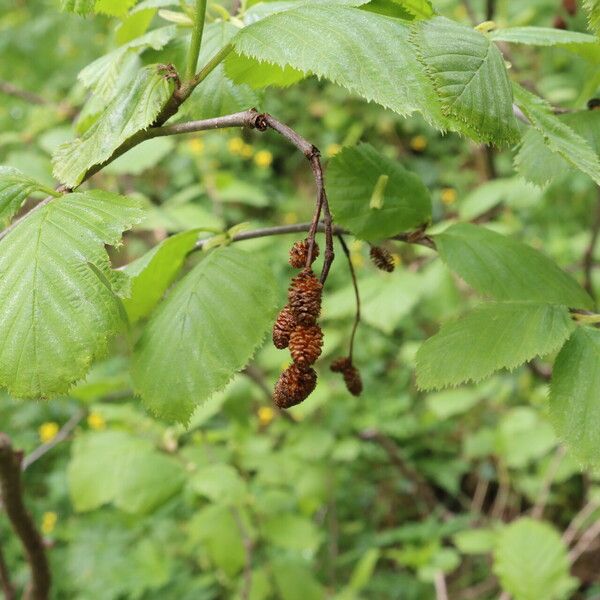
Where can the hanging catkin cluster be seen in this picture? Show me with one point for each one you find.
(382, 258)
(296, 327)
(350, 373)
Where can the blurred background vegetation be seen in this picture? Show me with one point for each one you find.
(393, 495)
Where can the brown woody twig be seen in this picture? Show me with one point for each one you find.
(11, 493)
(356, 295)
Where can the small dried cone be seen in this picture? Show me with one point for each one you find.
(353, 380)
(382, 259)
(559, 23)
(299, 254)
(283, 327)
(294, 386)
(304, 297)
(570, 6)
(306, 343)
(339, 365)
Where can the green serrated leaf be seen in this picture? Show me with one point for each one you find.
(132, 110)
(80, 7)
(559, 137)
(204, 332)
(587, 46)
(505, 269)
(102, 75)
(574, 394)
(258, 75)
(154, 272)
(115, 467)
(592, 8)
(366, 53)
(57, 314)
(353, 177)
(15, 188)
(468, 73)
(114, 8)
(531, 561)
(493, 336)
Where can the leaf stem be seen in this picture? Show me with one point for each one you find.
(195, 44)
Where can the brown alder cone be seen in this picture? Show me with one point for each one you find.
(304, 297)
(299, 254)
(294, 386)
(283, 327)
(339, 365)
(353, 380)
(382, 259)
(306, 343)
(570, 6)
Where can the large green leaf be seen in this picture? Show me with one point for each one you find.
(218, 94)
(15, 188)
(491, 337)
(592, 8)
(575, 394)
(114, 8)
(352, 178)
(531, 561)
(133, 109)
(205, 331)
(57, 291)
(245, 70)
(102, 75)
(113, 466)
(468, 72)
(505, 269)
(154, 272)
(559, 137)
(368, 54)
(583, 44)
(540, 163)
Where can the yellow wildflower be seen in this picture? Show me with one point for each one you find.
(96, 421)
(418, 143)
(358, 260)
(47, 431)
(235, 145)
(397, 259)
(49, 522)
(247, 151)
(263, 159)
(265, 415)
(289, 218)
(332, 150)
(196, 146)
(448, 196)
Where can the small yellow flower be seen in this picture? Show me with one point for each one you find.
(397, 259)
(289, 218)
(332, 150)
(448, 196)
(418, 143)
(263, 159)
(47, 431)
(235, 145)
(247, 151)
(96, 421)
(196, 146)
(265, 415)
(358, 260)
(49, 522)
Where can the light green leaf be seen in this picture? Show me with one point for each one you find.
(219, 483)
(540, 163)
(368, 54)
(58, 292)
(558, 136)
(468, 73)
(132, 110)
(287, 530)
(592, 7)
(205, 331)
(491, 337)
(15, 188)
(113, 466)
(114, 8)
(218, 95)
(245, 70)
(80, 7)
(102, 75)
(295, 580)
(587, 46)
(475, 541)
(505, 269)
(531, 561)
(153, 273)
(142, 157)
(352, 177)
(575, 394)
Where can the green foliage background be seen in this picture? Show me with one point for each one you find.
(377, 497)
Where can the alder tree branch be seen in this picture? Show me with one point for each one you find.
(11, 494)
(9, 89)
(585, 541)
(439, 582)
(571, 531)
(356, 294)
(6, 585)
